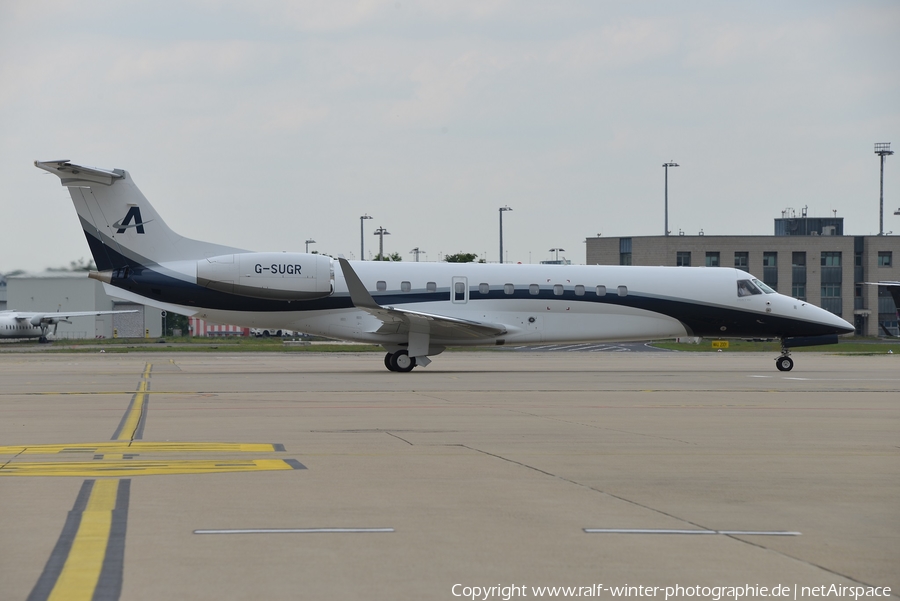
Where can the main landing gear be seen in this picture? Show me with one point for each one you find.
(399, 361)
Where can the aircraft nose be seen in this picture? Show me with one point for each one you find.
(845, 326)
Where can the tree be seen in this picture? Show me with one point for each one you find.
(461, 258)
(78, 265)
(390, 257)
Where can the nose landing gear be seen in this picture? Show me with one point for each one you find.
(784, 362)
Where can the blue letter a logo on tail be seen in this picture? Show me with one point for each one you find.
(134, 213)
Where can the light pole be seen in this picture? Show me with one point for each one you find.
(308, 242)
(362, 243)
(416, 251)
(502, 210)
(381, 233)
(882, 149)
(667, 165)
(557, 250)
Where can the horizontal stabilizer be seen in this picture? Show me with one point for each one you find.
(79, 175)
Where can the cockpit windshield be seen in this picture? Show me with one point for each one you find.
(746, 288)
(764, 288)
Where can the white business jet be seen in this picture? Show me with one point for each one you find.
(416, 310)
(22, 324)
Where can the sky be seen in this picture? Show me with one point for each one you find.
(264, 124)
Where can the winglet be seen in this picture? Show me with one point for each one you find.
(358, 293)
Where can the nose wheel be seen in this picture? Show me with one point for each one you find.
(784, 363)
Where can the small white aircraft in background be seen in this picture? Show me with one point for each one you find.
(22, 324)
(416, 310)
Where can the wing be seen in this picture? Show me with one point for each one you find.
(394, 320)
(55, 317)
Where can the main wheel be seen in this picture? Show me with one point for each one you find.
(389, 361)
(401, 361)
(784, 363)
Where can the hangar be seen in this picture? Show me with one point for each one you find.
(73, 291)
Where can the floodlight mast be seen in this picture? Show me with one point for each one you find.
(381, 233)
(667, 165)
(502, 210)
(882, 149)
(362, 242)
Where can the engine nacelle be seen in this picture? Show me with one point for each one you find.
(275, 276)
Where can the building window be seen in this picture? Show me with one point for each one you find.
(831, 298)
(624, 251)
(798, 291)
(831, 291)
(712, 259)
(683, 259)
(770, 269)
(741, 260)
(798, 259)
(885, 259)
(831, 259)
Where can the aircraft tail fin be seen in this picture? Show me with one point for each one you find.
(121, 226)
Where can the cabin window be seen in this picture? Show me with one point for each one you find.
(431, 287)
(601, 290)
(579, 290)
(623, 290)
(460, 289)
(405, 287)
(557, 289)
(381, 285)
(508, 289)
(483, 288)
(534, 289)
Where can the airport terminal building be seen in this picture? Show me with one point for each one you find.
(808, 258)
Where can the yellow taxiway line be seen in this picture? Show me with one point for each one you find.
(134, 467)
(139, 446)
(81, 571)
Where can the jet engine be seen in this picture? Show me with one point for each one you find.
(274, 276)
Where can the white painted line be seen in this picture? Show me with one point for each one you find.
(761, 376)
(293, 530)
(666, 531)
